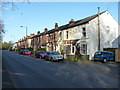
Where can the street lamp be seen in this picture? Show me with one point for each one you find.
(26, 36)
(26, 29)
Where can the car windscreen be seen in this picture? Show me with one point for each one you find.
(98, 53)
(42, 52)
(26, 51)
(55, 53)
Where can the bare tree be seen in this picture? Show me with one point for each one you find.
(1, 30)
(7, 4)
(10, 4)
(1, 27)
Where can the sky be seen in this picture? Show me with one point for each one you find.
(39, 15)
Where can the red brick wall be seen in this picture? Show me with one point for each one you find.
(44, 39)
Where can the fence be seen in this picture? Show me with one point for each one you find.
(116, 51)
(117, 55)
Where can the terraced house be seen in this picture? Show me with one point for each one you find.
(39, 40)
(83, 33)
(24, 42)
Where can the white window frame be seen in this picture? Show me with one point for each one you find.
(67, 35)
(72, 49)
(84, 32)
(81, 48)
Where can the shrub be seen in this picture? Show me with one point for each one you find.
(41, 49)
(29, 48)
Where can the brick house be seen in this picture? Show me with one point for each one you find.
(39, 40)
(25, 42)
(52, 39)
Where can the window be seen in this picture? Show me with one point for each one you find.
(60, 35)
(66, 34)
(84, 48)
(73, 49)
(84, 32)
(60, 47)
(51, 36)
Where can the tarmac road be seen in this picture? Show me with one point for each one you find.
(30, 72)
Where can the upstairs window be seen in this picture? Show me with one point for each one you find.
(51, 36)
(60, 35)
(84, 32)
(66, 34)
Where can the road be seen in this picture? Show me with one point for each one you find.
(30, 72)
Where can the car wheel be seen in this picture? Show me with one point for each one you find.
(36, 56)
(52, 59)
(104, 60)
(40, 57)
(46, 58)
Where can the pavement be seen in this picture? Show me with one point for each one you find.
(30, 72)
(6, 80)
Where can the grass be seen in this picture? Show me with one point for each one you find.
(82, 58)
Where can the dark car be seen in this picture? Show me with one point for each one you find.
(104, 56)
(10, 49)
(40, 54)
(26, 52)
(21, 51)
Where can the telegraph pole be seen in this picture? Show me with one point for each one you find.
(98, 28)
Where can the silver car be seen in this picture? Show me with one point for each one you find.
(54, 56)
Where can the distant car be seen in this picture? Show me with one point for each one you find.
(21, 52)
(10, 49)
(54, 56)
(40, 54)
(26, 52)
(104, 56)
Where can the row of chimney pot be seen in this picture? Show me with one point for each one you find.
(56, 26)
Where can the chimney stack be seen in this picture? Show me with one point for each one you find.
(45, 30)
(31, 35)
(38, 32)
(71, 21)
(56, 25)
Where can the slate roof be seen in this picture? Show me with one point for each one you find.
(39, 34)
(79, 22)
(76, 23)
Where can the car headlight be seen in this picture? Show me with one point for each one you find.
(54, 57)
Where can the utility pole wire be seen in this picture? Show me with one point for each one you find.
(112, 5)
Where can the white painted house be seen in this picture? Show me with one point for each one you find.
(108, 34)
(85, 33)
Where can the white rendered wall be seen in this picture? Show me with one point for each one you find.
(108, 33)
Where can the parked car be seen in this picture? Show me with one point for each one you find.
(11, 49)
(21, 52)
(104, 56)
(40, 54)
(54, 56)
(26, 52)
